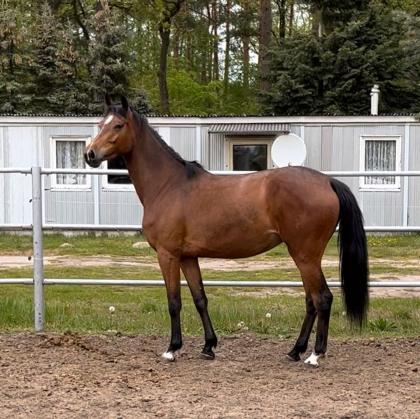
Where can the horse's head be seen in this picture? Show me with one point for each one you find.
(115, 136)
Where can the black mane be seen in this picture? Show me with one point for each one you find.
(192, 168)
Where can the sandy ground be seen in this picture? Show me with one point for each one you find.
(72, 376)
(15, 261)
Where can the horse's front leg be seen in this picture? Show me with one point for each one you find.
(170, 266)
(192, 273)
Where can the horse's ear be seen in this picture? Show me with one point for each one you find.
(124, 103)
(108, 100)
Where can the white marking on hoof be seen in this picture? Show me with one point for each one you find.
(169, 356)
(313, 359)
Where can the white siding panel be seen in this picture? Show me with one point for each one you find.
(2, 176)
(383, 208)
(217, 152)
(69, 207)
(313, 142)
(414, 182)
(183, 141)
(23, 150)
(205, 148)
(120, 207)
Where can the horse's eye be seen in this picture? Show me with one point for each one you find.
(119, 126)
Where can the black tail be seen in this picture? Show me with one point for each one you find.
(353, 254)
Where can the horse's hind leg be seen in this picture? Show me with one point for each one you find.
(192, 273)
(318, 302)
(323, 299)
(302, 341)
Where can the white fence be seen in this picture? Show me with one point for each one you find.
(37, 227)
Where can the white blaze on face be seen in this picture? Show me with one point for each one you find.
(109, 119)
(106, 122)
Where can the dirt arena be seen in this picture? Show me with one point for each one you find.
(50, 375)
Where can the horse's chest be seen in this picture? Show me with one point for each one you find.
(162, 231)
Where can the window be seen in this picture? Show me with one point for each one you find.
(381, 153)
(67, 153)
(249, 154)
(116, 182)
(119, 164)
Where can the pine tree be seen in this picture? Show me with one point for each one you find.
(140, 102)
(334, 73)
(14, 60)
(108, 58)
(53, 81)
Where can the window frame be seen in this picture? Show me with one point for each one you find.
(53, 155)
(114, 186)
(247, 140)
(398, 163)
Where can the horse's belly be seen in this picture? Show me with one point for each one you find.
(231, 243)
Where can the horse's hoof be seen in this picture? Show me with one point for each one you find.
(293, 356)
(208, 355)
(312, 360)
(169, 356)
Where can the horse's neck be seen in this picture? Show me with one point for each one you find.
(150, 165)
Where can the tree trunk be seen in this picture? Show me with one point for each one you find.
(266, 22)
(215, 20)
(164, 33)
(227, 48)
(209, 45)
(245, 41)
(281, 4)
(291, 17)
(176, 48)
(170, 10)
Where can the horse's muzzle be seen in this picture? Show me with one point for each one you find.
(92, 159)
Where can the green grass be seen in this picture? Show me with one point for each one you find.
(83, 245)
(144, 310)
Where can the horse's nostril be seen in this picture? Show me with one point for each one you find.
(91, 155)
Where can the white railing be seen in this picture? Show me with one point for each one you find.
(37, 227)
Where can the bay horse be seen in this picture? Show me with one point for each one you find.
(190, 213)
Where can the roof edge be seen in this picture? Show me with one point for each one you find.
(210, 120)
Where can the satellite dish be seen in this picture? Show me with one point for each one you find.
(288, 150)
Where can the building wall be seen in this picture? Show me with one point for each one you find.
(64, 206)
(21, 147)
(2, 176)
(331, 146)
(337, 148)
(414, 182)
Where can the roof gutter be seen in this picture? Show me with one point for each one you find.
(194, 121)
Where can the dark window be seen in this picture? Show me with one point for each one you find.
(249, 157)
(118, 163)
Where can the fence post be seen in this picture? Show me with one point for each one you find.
(38, 263)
